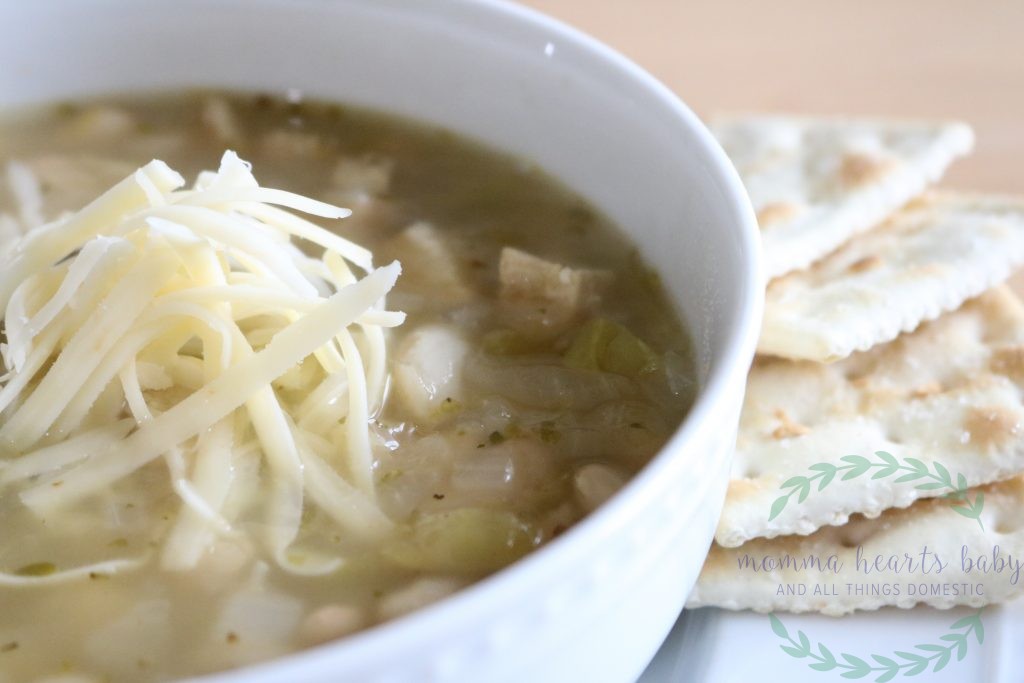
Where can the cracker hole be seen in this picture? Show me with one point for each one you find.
(857, 531)
(1002, 524)
(894, 439)
(1004, 528)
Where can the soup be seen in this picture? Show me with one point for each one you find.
(538, 367)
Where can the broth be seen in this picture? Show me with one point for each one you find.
(572, 371)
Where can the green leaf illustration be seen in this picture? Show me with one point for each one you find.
(884, 661)
(928, 647)
(777, 627)
(856, 673)
(917, 465)
(911, 657)
(856, 662)
(884, 472)
(888, 458)
(885, 668)
(971, 620)
(887, 465)
(918, 668)
(804, 491)
(778, 506)
(793, 482)
(887, 676)
(859, 463)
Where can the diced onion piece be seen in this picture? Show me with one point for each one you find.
(331, 622)
(595, 484)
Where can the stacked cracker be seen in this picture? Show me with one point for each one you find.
(886, 329)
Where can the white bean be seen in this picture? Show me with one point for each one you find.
(331, 622)
(594, 484)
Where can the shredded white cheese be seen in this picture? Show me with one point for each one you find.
(27, 193)
(148, 293)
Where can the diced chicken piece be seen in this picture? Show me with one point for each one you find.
(370, 220)
(360, 178)
(44, 187)
(429, 266)
(331, 622)
(544, 298)
(428, 371)
(100, 121)
(219, 119)
(525, 276)
(282, 143)
(594, 484)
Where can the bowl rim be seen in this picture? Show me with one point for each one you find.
(730, 370)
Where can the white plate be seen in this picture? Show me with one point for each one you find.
(716, 645)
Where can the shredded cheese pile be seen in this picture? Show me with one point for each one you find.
(186, 325)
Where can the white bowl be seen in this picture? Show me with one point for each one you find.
(595, 603)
